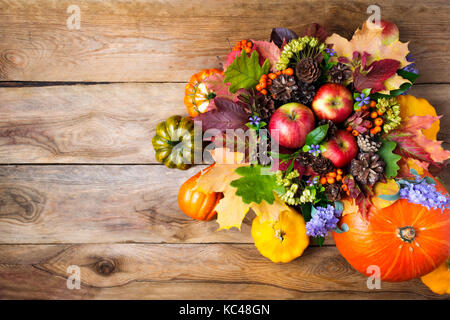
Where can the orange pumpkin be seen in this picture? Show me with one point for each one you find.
(194, 202)
(404, 240)
(196, 94)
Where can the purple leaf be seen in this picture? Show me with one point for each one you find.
(379, 71)
(281, 35)
(226, 115)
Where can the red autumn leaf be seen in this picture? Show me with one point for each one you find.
(226, 115)
(215, 83)
(414, 123)
(364, 202)
(317, 31)
(413, 143)
(268, 50)
(408, 147)
(378, 72)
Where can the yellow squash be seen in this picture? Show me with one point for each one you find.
(282, 240)
(438, 280)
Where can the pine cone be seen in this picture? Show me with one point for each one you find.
(367, 143)
(367, 168)
(305, 159)
(265, 107)
(321, 165)
(305, 93)
(283, 87)
(307, 70)
(358, 121)
(339, 73)
(333, 191)
(332, 128)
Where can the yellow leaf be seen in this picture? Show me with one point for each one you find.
(218, 178)
(349, 206)
(269, 212)
(388, 188)
(410, 106)
(439, 279)
(225, 156)
(416, 165)
(393, 83)
(231, 210)
(369, 40)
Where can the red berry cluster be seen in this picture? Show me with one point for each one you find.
(246, 45)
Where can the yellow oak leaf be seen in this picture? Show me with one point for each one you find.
(269, 212)
(350, 206)
(231, 210)
(388, 188)
(218, 178)
(225, 156)
(413, 106)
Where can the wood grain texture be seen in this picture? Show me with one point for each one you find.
(99, 204)
(149, 40)
(85, 123)
(109, 123)
(218, 271)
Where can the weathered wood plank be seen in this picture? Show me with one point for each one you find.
(111, 123)
(99, 204)
(149, 40)
(85, 123)
(213, 271)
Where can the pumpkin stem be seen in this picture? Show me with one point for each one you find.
(279, 234)
(407, 234)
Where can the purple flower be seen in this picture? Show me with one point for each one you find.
(331, 52)
(425, 194)
(255, 120)
(314, 150)
(322, 221)
(362, 99)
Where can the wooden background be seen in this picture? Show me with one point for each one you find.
(79, 184)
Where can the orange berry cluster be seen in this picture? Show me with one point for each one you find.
(266, 79)
(377, 120)
(332, 176)
(246, 45)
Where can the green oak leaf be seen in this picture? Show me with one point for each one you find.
(389, 158)
(245, 72)
(255, 186)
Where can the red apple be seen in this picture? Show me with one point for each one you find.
(341, 149)
(333, 102)
(293, 121)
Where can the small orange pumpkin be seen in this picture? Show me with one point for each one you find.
(196, 94)
(405, 240)
(194, 202)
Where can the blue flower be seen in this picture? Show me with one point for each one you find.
(314, 150)
(425, 194)
(362, 99)
(255, 120)
(331, 52)
(313, 181)
(323, 221)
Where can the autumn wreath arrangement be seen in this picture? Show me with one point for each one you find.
(354, 151)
